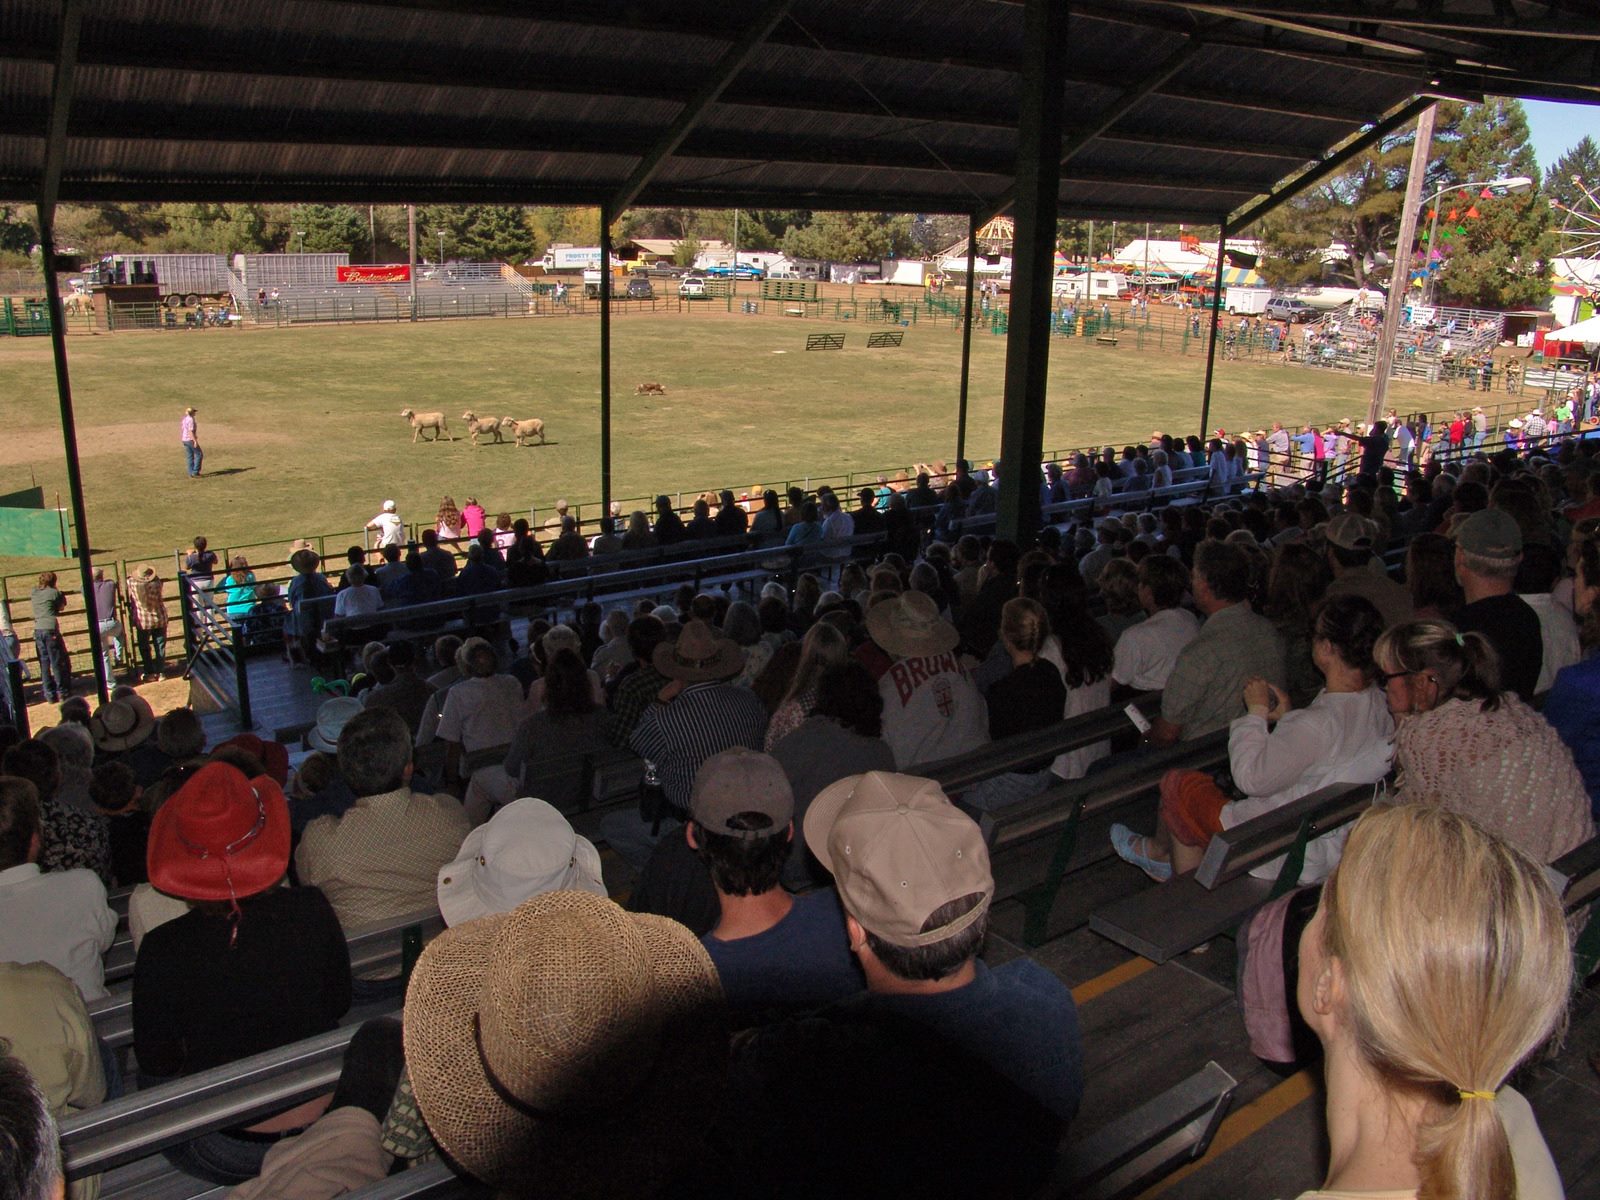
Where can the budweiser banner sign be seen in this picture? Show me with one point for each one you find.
(384, 273)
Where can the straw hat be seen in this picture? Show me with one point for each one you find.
(699, 655)
(332, 717)
(220, 836)
(909, 626)
(526, 849)
(568, 1045)
(122, 724)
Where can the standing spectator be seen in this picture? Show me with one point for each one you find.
(55, 664)
(391, 529)
(189, 434)
(110, 642)
(308, 607)
(148, 614)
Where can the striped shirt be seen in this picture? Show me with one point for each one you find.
(702, 720)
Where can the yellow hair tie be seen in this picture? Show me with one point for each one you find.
(1465, 1095)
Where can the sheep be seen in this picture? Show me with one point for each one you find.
(428, 420)
(520, 430)
(650, 389)
(487, 426)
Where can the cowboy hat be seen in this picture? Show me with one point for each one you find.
(332, 717)
(122, 724)
(526, 849)
(566, 1042)
(909, 626)
(273, 755)
(304, 559)
(698, 655)
(220, 836)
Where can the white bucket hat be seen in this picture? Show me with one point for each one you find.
(526, 849)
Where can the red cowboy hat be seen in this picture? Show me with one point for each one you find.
(220, 836)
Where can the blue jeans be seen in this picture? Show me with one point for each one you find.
(193, 456)
(55, 667)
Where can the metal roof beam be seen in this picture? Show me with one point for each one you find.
(1330, 165)
(1174, 141)
(730, 64)
(62, 85)
(1569, 27)
(1300, 22)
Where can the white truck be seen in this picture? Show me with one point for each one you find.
(571, 258)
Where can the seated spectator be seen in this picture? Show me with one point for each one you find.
(1031, 696)
(121, 727)
(480, 575)
(30, 1152)
(636, 685)
(944, 1078)
(74, 751)
(1436, 965)
(358, 598)
(251, 967)
(1464, 744)
(481, 711)
(695, 715)
(570, 545)
(1296, 582)
(822, 648)
(775, 953)
(1573, 706)
(842, 736)
(1119, 588)
(1431, 577)
(605, 1085)
(1205, 690)
(381, 858)
(551, 746)
(997, 583)
(58, 917)
(1351, 542)
(115, 793)
(561, 637)
(1277, 754)
(45, 1025)
(931, 709)
(69, 838)
(438, 559)
(523, 851)
(807, 530)
(669, 526)
(1488, 553)
(403, 690)
(414, 584)
(1146, 653)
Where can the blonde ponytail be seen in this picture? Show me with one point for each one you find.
(1458, 967)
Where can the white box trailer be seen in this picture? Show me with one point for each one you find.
(907, 271)
(1090, 285)
(1246, 300)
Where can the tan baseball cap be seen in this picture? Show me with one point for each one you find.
(899, 850)
(737, 781)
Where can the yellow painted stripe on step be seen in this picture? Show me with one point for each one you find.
(1243, 1123)
(1116, 977)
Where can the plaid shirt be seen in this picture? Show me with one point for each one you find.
(145, 603)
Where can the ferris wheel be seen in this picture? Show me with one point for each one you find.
(1580, 234)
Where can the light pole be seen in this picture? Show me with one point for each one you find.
(1499, 187)
(301, 234)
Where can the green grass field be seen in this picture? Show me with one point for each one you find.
(302, 432)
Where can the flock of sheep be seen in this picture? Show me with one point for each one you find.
(521, 432)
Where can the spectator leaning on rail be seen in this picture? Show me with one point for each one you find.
(391, 529)
(943, 1078)
(1205, 690)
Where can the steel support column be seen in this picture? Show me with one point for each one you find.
(966, 337)
(1038, 189)
(49, 187)
(605, 361)
(1211, 348)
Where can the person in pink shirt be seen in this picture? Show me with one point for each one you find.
(473, 517)
(189, 435)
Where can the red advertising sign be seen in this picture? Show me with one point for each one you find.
(383, 273)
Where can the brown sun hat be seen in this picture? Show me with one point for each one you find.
(699, 655)
(567, 1046)
(122, 724)
(909, 626)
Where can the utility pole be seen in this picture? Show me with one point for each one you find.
(411, 243)
(1401, 279)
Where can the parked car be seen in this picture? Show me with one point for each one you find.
(639, 288)
(693, 287)
(742, 271)
(1295, 312)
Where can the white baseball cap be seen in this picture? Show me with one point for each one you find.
(388, 506)
(526, 849)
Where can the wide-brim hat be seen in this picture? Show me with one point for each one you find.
(699, 655)
(909, 626)
(305, 559)
(122, 724)
(567, 1046)
(526, 849)
(220, 836)
(332, 717)
(273, 755)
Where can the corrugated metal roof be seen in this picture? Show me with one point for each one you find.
(866, 104)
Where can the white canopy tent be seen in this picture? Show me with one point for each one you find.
(1586, 331)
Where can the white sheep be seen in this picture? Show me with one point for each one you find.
(428, 420)
(486, 426)
(524, 431)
